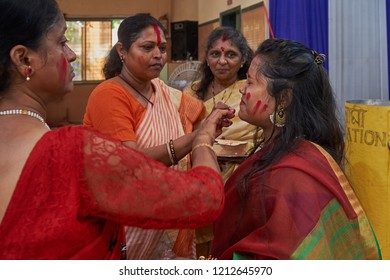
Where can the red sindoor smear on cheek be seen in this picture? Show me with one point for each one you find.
(265, 107)
(257, 106)
(157, 31)
(62, 68)
(248, 96)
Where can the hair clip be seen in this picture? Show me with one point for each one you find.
(318, 58)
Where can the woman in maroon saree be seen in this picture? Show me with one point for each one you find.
(66, 193)
(290, 199)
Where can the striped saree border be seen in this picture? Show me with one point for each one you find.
(335, 236)
(361, 225)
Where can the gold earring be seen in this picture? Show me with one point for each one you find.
(28, 72)
(280, 119)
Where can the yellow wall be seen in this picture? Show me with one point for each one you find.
(209, 10)
(177, 10)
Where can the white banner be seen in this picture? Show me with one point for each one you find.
(192, 269)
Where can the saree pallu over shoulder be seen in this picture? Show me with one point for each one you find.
(161, 122)
(301, 208)
(171, 116)
(360, 224)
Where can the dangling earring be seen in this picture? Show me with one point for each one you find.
(280, 119)
(122, 60)
(28, 72)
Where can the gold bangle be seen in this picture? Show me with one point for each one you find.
(203, 145)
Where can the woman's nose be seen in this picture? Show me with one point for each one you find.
(157, 52)
(71, 55)
(222, 59)
(242, 90)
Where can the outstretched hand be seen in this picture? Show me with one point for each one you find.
(211, 127)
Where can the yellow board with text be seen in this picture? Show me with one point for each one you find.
(367, 138)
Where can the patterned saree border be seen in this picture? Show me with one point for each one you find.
(365, 229)
(334, 237)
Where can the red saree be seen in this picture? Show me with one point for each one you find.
(303, 208)
(59, 211)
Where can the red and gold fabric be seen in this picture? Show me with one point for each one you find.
(301, 208)
(77, 188)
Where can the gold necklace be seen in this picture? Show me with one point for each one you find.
(24, 112)
(224, 92)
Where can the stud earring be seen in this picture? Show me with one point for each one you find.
(28, 72)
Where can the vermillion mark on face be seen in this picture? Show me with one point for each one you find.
(257, 105)
(62, 68)
(224, 38)
(157, 31)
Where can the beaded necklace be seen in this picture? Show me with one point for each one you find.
(24, 112)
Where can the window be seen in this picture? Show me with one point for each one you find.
(91, 40)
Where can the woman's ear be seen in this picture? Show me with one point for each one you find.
(120, 50)
(19, 57)
(286, 97)
(242, 62)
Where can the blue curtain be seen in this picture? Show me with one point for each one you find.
(388, 39)
(305, 21)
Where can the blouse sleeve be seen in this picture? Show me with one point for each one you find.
(125, 186)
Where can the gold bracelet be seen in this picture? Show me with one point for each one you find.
(203, 145)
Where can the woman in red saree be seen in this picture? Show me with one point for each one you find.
(66, 193)
(290, 199)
